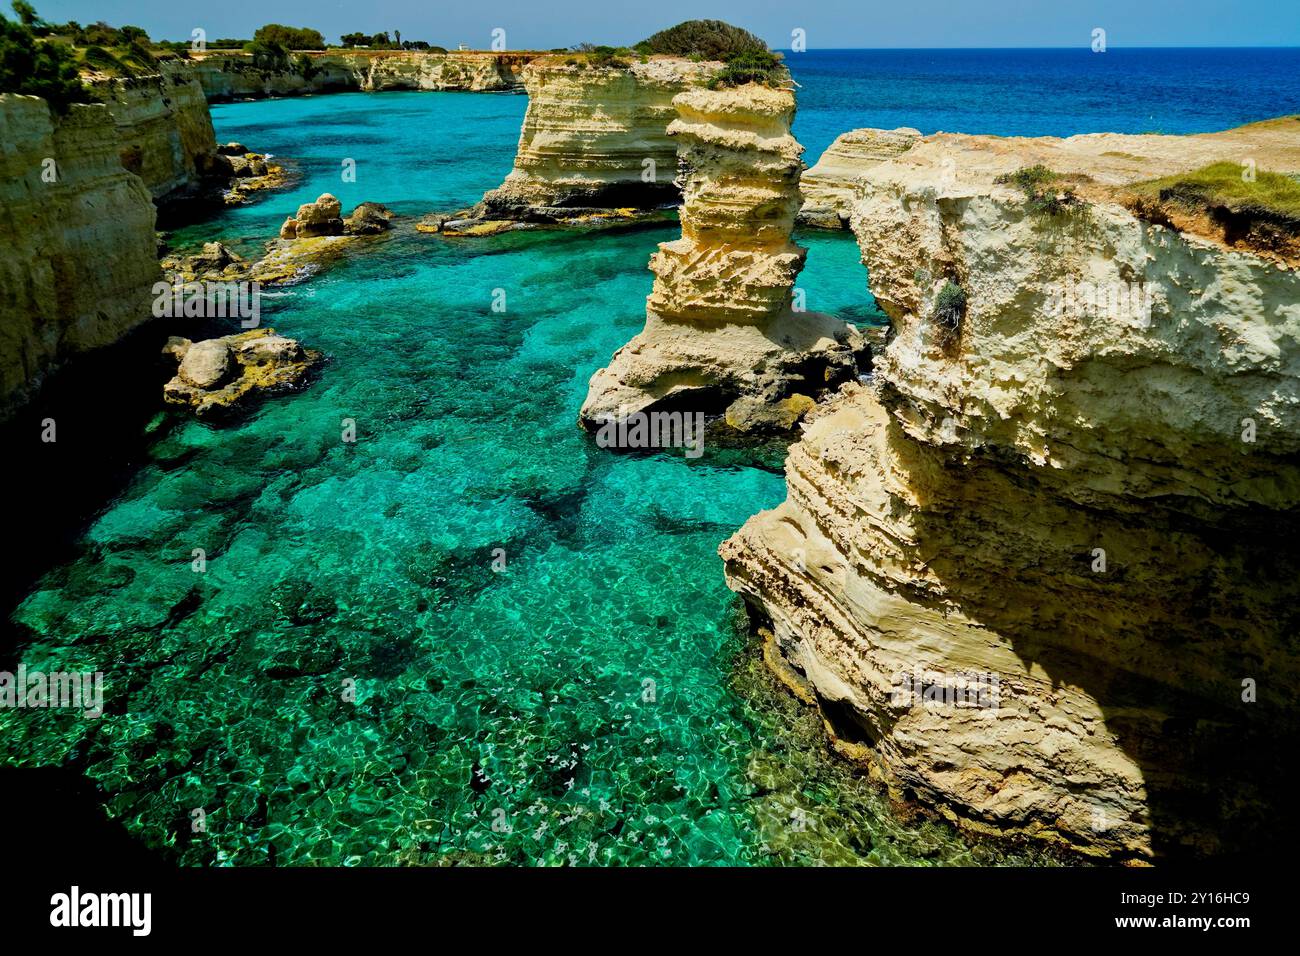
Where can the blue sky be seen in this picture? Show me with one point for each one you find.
(828, 23)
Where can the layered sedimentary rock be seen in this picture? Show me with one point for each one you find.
(234, 75)
(1089, 511)
(165, 136)
(594, 138)
(721, 334)
(828, 188)
(78, 256)
(164, 130)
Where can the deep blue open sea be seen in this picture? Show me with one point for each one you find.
(1056, 92)
(594, 700)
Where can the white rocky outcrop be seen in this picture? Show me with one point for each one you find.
(227, 76)
(721, 333)
(829, 187)
(1086, 503)
(595, 137)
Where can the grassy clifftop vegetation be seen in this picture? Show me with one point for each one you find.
(36, 66)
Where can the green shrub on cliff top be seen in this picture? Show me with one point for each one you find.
(102, 61)
(268, 55)
(709, 39)
(291, 38)
(751, 67)
(38, 67)
(607, 56)
(1049, 193)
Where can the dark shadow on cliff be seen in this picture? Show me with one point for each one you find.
(1191, 603)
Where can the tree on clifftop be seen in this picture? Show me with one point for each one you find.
(291, 38)
(37, 67)
(268, 55)
(707, 39)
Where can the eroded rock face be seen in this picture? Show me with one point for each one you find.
(594, 138)
(218, 376)
(324, 217)
(368, 219)
(164, 128)
(720, 334)
(227, 76)
(1092, 510)
(166, 137)
(829, 187)
(78, 257)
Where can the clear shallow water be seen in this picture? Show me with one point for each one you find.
(517, 696)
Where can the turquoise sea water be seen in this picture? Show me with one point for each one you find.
(470, 635)
(581, 696)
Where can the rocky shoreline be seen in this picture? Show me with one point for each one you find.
(1036, 568)
(226, 76)
(1090, 510)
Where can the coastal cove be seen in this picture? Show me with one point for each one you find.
(472, 635)
(373, 561)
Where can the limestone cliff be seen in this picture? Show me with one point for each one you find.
(227, 76)
(1090, 509)
(595, 137)
(828, 188)
(77, 252)
(164, 130)
(721, 334)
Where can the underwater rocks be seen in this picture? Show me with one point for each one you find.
(721, 333)
(828, 188)
(594, 139)
(78, 256)
(1089, 508)
(217, 376)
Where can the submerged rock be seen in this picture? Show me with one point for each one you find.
(220, 375)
